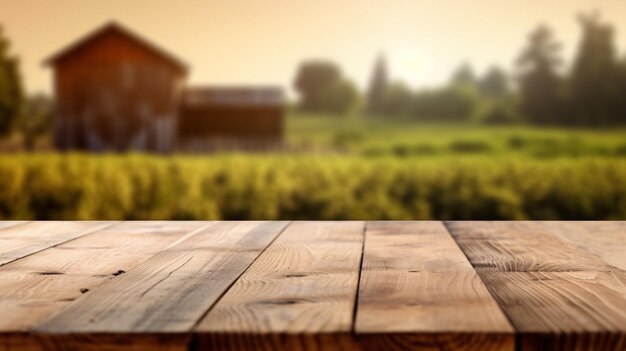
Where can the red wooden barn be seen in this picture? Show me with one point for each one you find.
(116, 91)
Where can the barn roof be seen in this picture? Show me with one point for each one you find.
(234, 95)
(114, 27)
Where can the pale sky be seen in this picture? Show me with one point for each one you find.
(263, 41)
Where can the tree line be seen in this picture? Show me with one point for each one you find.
(538, 90)
(29, 115)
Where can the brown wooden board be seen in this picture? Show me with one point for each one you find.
(520, 246)
(416, 281)
(606, 240)
(557, 294)
(171, 291)
(33, 288)
(303, 288)
(7, 224)
(21, 240)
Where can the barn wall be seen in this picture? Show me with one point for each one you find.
(113, 94)
(235, 122)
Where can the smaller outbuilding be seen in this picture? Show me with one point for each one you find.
(231, 117)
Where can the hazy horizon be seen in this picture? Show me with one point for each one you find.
(250, 42)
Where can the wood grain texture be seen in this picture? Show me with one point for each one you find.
(170, 292)
(304, 283)
(415, 280)
(561, 302)
(606, 240)
(554, 282)
(601, 341)
(280, 286)
(37, 286)
(520, 246)
(95, 342)
(8, 224)
(19, 240)
(276, 342)
(436, 341)
(361, 342)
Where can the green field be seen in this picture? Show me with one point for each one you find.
(338, 169)
(378, 137)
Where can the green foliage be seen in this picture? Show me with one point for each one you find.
(597, 81)
(339, 98)
(495, 83)
(540, 85)
(323, 89)
(35, 119)
(456, 103)
(397, 101)
(378, 88)
(470, 146)
(74, 186)
(464, 76)
(10, 87)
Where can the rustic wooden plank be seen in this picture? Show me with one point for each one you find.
(520, 246)
(37, 286)
(572, 341)
(554, 293)
(603, 239)
(170, 291)
(569, 302)
(17, 241)
(305, 283)
(417, 285)
(8, 224)
(95, 342)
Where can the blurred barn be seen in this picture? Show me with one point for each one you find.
(116, 91)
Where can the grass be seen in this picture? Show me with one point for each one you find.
(375, 137)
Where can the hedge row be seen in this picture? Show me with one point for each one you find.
(75, 186)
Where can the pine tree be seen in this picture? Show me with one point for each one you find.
(538, 78)
(10, 87)
(378, 87)
(595, 92)
(495, 83)
(464, 76)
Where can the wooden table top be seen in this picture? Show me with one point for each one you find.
(313, 285)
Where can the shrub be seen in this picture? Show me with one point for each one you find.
(308, 187)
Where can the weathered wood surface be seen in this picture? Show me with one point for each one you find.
(313, 285)
(170, 291)
(35, 287)
(558, 293)
(18, 240)
(304, 283)
(415, 279)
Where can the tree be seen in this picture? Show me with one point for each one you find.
(453, 103)
(495, 83)
(397, 100)
(10, 87)
(378, 86)
(323, 89)
(538, 78)
(464, 75)
(35, 119)
(339, 98)
(594, 86)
